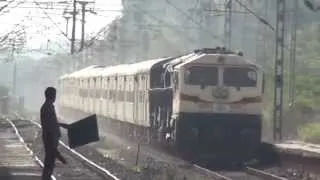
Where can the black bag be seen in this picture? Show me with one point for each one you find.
(83, 132)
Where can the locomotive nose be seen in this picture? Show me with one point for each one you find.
(221, 93)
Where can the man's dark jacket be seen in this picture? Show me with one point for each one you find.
(49, 122)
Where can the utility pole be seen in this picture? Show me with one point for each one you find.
(292, 75)
(73, 38)
(14, 68)
(83, 4)
(227, 23)
(67, 25)
(279, 62)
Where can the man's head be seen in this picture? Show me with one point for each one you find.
(50, 94)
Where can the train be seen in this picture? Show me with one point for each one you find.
(206, 103)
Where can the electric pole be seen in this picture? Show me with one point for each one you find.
(73, 26)
(292, 75)
(83, 5)
(279, 62)
(67, 25)
(227, 24)
(14, 68)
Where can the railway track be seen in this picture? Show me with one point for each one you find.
(248, 173)
(188, 171)
(78, 167)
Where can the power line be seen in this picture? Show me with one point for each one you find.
(106, 28)
(262, 20)
(58, 8)
(44, 12)
(73, 38)
(195, 22)
(160, 21)
(13, 30)
(7, 6)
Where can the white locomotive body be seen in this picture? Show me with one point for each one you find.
(205, 103)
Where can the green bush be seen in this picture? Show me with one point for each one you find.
(310, 132)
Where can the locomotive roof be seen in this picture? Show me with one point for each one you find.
(73, 74)
(122, 69)
(134, 68)
(145, 66)
(90, 70)
(231, 59)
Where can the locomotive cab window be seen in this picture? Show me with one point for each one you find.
(197, 75)
(240, 77)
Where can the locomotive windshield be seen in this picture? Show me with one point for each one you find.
(240, 77)
(197, 75)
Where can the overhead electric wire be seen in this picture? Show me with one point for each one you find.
(261, 19)
(194, 21)
(63, 33)
(61, 8)
(104, 29)
(94, 38)
(13, 30)
(159, 20)
(6, 5)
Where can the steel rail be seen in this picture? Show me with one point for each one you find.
(101, 170)
(263, 174)
(37, 159)
(211, 173)
(90, 163)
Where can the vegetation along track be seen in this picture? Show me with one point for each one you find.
(78, 167)
(247, 174)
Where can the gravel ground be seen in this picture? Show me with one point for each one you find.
(109, 153)
(119, 157)
(292, 174)
(239, 176)
(120, 161)
(71, 171)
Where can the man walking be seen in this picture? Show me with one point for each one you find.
(50, 133)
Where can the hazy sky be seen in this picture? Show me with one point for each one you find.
(40, 28)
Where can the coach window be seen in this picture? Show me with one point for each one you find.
(95, 87)
(146, 81)
(92, 87)
(100, 87)
(142, 81)
(176, 80)
(135, 78)
(94, 82)
(87, 87)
